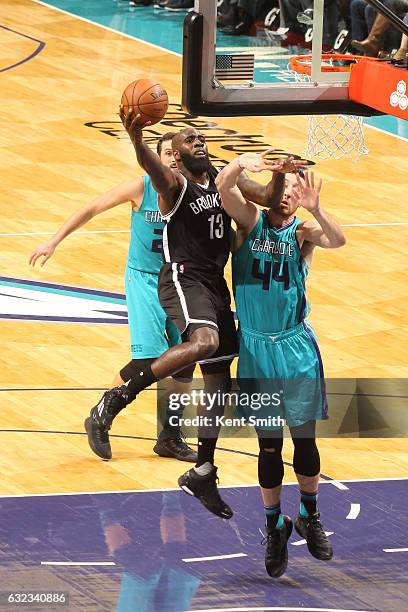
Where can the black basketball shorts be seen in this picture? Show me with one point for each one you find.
(192, 299)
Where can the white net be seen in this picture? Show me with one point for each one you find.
(336, 136)
(333, 136)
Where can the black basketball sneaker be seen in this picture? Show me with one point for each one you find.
(175, 448)
(276, 553)
(312, 531)
(205, 489)
(100, 420)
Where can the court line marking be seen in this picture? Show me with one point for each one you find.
(233, 486)
(339, 485)
(278, 609)
(354, 511)
(30, 389)
(100, 25)
(323, 478)
(41, 45)
(373, 127)
(239, 486)
(215, 558)
(114, 231)
(393, 550)
(143, 438)
(74, 233)
(374, 479)
(101, 563)
(301, 542)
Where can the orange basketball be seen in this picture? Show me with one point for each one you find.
(148, 99)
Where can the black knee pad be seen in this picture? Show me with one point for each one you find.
(306, 458)
(132, 369)
(270, 463)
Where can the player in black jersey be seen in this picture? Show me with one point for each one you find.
(192, 288)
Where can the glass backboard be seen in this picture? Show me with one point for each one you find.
(211, 56)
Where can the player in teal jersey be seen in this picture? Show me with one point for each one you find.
(151, 331)
(272, 254)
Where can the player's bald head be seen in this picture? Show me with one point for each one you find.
(190, 150)
(180, 137)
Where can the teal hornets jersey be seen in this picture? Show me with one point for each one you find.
(269, 276)
(146, 233)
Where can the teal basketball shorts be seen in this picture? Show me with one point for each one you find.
(287, 368)
(151, 331)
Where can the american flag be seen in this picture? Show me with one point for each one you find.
(234, 67)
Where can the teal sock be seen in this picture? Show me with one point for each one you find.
(308, 504)
(274, 518)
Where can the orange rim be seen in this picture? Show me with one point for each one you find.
(302, 63)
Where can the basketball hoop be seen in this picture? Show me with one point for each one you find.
(331, 136)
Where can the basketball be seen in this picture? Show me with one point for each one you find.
(148, 99)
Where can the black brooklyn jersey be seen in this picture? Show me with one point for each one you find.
(197, 232)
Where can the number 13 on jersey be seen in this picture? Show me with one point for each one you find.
(216, 226)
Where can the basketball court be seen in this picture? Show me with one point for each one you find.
(119, 535)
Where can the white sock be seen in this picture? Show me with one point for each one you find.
(204, 469)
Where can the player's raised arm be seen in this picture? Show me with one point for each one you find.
(234, 201)
(271, 194)
(166, 182)
(125, 192)
(244, 213)
(323, 231)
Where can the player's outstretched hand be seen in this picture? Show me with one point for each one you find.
(257, 162)
(306, 193)
(45, 250)
(287, 165)
(133, 124)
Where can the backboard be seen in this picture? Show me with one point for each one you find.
(273, 88)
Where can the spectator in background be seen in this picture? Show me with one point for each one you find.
(227, 13)
(179, 5)
(289, 10)
(371, 31)
(140, 2)
(343, 7)
(362, 19)
(170, 5)
(237, 16)
(402, 52)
